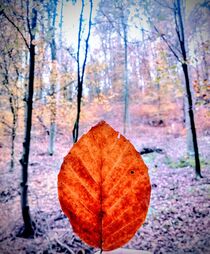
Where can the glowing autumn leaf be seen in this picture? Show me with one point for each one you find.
(104, 188)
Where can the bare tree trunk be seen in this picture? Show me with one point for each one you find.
(192, 122)
(179, 26)
(126, 120)
(106, 76)
(52, 131)
(180, 31)
(204, 58)
(80, 74)
(12, 150)
(28, 228)
(60, 52)
(190, 146)
(26, 147)
(24, 161)
(76, 124)
(14, 123)
(13, 101)
(53, 82)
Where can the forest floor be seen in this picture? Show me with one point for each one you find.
(178, 220)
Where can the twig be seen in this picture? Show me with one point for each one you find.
(70, 53)
(5, 123)
(27, 18)
(64, 246)
(164, 5)
(43, 125)
(167, 43)
(16, 27)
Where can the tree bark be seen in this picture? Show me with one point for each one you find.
(180, 31)
(53, 83)
(192, 122)
(26, 147)
(76, 124)
(204, 64)
(14, 122)
(28, 228)
(187, 126)
(126, 87)
(80, 74)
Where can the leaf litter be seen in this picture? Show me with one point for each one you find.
(177, 221)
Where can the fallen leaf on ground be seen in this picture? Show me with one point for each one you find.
(125, 251)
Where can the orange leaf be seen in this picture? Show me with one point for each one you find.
(104, 188)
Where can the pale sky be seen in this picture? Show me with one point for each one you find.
(71, 15)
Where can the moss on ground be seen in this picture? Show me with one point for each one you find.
(187, 161)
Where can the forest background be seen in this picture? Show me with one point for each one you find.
(142, 66)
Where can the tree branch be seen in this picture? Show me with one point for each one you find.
(110, 22)
(164, 5)
(5, 123)
(63, 245)
(79, 40)
(70, 53)
(43, 125)
(176, 23)
(167, 43)
(27, 18)
(15, 26)
(87, 39)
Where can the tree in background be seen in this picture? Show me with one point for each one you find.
(52, 10)
(197, 29)
(31, 25)
(10, 74)
(124, 23)
(116, 15)
(31, 22)
(178, 16)
(181, 55)
(81, 67)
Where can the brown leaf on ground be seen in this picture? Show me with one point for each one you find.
(125, 251)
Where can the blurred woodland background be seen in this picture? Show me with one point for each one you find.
(141, 65)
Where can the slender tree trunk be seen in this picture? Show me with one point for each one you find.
(158, 100)
(28, 228)
(53, 83)
(192, 122)
(126, 119)
(14, 122)
(111, 61)
(12, 150)
(80, 77)
(188, 91)
(76, 124)
(41, 67)
(197, 70)
(81, 69)
(13, 143)
(24, 161)
(204, 64)
(52, 134)
(141, 75)
(53, 106)
(190, 146)
(60, 52)
(106, 71)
